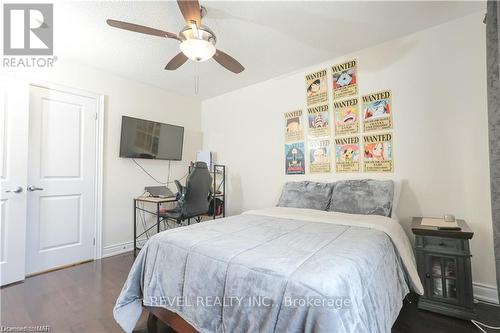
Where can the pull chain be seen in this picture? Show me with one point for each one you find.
(196, 79)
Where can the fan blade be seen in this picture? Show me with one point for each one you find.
(191, 11)
(176, 62)
(140, 28)
(228, 62)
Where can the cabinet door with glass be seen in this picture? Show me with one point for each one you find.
(441, 276)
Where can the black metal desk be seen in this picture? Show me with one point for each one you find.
(152, 200)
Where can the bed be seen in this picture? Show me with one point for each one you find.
(280, 269)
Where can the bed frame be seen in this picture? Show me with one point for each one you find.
(171, 319)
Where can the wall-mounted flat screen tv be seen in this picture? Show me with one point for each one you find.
(142, 138)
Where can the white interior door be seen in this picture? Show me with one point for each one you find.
(13, 174)
(61, 179)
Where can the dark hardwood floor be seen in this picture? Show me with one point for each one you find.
(81, 299)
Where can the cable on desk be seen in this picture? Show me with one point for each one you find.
(154, 178)
(143, 221)
(168, 173)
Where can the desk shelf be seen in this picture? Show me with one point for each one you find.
(219, 179)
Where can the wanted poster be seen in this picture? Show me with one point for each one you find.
(318, 118)
(347, 157)
(317, 88)
(294, 159)
(293, 126)
(377, 111)
(319, 156)
(345, 79)
(346, 114)
(378, 153)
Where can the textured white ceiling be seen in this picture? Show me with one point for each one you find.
(269, 38)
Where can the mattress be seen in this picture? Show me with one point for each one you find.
(275, 270)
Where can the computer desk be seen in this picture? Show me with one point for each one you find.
(154, 200)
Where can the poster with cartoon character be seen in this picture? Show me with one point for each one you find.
(294, 131)
(318, 119)
(294, 159)
(317, 87)
(347, 157)
(319, 156)
(378, 153)
(346, 116)
(377, 111)
(345, 79)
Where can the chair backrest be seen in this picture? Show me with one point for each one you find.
(197, 191)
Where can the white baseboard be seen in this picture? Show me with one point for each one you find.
(485, 293)
(115, 249)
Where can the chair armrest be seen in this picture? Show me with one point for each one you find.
(180, 188)
(182, 192)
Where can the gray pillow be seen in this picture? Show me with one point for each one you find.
(306, 194)
(364, 196)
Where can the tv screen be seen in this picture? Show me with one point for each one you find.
(149, 139)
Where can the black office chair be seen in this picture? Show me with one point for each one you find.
(193, 198)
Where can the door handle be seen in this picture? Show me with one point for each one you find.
(32, 188)
(18, 189)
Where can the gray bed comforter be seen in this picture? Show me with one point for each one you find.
(275, 270)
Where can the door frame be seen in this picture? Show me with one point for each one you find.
(99, 165)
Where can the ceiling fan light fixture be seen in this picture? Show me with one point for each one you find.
(197, 40)
(198, 49)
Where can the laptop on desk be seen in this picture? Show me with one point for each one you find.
(159, 191)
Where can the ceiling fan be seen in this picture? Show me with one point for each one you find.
(197, 40)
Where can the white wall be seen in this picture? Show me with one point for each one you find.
(438, 81)
(123, 180)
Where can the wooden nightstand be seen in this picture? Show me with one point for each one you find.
(443, 261)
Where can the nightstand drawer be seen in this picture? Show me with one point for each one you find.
(442, 244)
